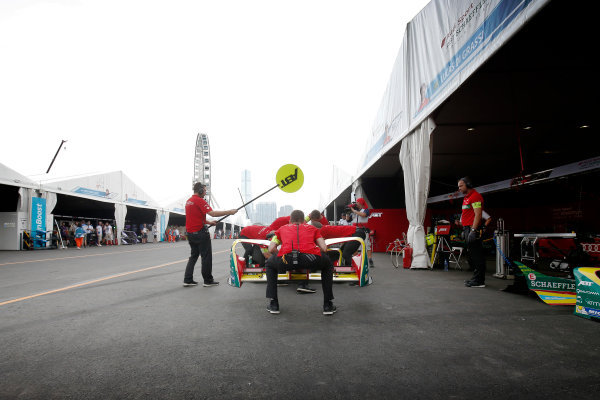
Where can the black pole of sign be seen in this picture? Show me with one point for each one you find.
(244, 205)
(245, 209)
(59, 147)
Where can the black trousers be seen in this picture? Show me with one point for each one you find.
(475, 256)
(254, 251)
(312, 262)
(201, 247)
(350, 248)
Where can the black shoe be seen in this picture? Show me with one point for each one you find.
(208, 284)
(371, 264)
(475, 284)
(191, 283)
(469, 281)
(273, 307)
(329, 308)
(303, 288)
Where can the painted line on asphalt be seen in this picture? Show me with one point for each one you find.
(72, 257)
(96, 281)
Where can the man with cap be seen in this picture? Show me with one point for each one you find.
(472, 221)
(196, 209)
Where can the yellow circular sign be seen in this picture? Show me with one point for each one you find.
(290, 178)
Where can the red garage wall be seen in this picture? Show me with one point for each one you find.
(389, 224)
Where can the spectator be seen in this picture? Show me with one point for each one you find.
(79, 236)
(108, 229)
(144, 234)
(99, 234)
(342, 220)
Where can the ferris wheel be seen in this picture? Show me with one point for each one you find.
(202, 168)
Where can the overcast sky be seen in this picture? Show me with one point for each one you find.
(130, 84)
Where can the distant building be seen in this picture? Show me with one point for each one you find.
(246, 191)
(284, 211)
(265, 213)
(202, 171)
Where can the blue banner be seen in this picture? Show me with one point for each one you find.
(38, 221)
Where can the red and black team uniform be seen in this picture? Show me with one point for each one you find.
(303, 238)
(254, 232)
(278, 223)
(323, 220)
(252, 250)
(196, 209)
(340, 231)
(476, 257)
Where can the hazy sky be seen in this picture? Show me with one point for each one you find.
(129, 84)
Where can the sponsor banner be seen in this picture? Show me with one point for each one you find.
(93, 192)
(38, 220)
(442, 47)
(588, 292)
(135, 201)
(550, 289)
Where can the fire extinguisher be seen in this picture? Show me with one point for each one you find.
(407, 258)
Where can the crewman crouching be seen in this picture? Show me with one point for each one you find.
(302, 247)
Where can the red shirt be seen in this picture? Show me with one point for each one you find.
(337, 231)
(472, 200)
(323, 220)
(255, 232)
(288, 235)
(279, 222)
(196, 209)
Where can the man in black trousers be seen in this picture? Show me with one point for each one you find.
(196, 209)
(302, 247)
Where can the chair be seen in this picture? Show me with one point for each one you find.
(459, 250)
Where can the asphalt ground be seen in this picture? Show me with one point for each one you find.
(116, 323)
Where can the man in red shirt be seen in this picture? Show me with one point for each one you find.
(258, 232)
(302, 247)
(196, 225)
(341, 231)
(471, 220)
(279, 222)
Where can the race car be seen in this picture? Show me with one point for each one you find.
(357, 273)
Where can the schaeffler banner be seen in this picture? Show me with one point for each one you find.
(442, 46)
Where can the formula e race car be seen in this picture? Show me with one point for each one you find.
(583, 292)
(358, 272)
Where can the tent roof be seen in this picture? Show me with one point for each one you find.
(11, 177)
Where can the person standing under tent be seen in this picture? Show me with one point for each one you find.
(144, 233)
(342, 220)
(196, 210)
(360, 218)
(154, 233)
(79, 235)
(99, 234)
(472, 222)
(108, 232)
